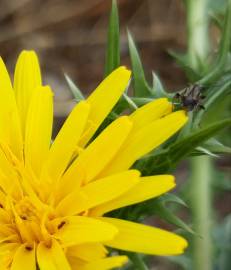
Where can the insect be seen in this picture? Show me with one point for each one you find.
(190, 98)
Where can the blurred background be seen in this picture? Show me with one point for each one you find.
(70, 37)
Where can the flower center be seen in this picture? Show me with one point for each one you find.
(29, 219)
(32, 224)
(26, 210)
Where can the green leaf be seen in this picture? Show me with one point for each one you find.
(215, 93)
(127, 102)
(74, 89)
(139, 101)
(224, 48)
(141, 87)
(182, 148)
(203, 151)
(226, 35)
(172, 198)
(157, 87)
(158, 208)
(113, 41)
(166, 159)
(130, 102)
(182, 61)
(216, 147)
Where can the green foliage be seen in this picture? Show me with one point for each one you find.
(221, 61)
(113, 41)
(183, 62)
(141, 87)
(74, 89)
(158, 90)
(158, 207)
(212, 147)
(166, 159)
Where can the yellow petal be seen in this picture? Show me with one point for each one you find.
(8, 176)
(88, 252)
(39, 128)
(67, 185)
(149, 187)
(74, 203)
(150, 112)
(79, 230)
(145, 140)
(5, 82)
(9, 181)
(24, 258)
(144, 239)
(27, 78)
(3, 198)
(98, 192)
(104, 98)
(66, 141)
(51, 258)
(9, 133)
(4, 216)
(99, 153)
(110, 187)
(7, 252)
(105, 264)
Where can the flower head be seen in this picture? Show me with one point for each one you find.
(53, 195)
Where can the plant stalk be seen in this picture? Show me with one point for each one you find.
(200, 182)
(201, 211)
(197, 26)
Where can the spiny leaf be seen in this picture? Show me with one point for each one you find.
(217, 147)
(141, 87)
(212, 148)
(113, 41)
(74, 89)
(183, 63)
(216, 93)
(157, 87)
(172, 198)
(223, 52)
(168, 158)
(203, 151)
(157, 207)
(130, 102)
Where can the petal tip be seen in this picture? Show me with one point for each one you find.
(123, 69)
(184, 245)
(171, 181)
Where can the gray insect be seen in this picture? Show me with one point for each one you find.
(190, 98)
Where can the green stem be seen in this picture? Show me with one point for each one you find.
(197, 22)
(201, 211)
(137, 261)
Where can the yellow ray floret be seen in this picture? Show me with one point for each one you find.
(53, 195)
(140, 238)
(27, 78)
(39, 128)
(10, 133)
(147, 188)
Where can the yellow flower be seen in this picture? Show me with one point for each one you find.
(53, 196)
